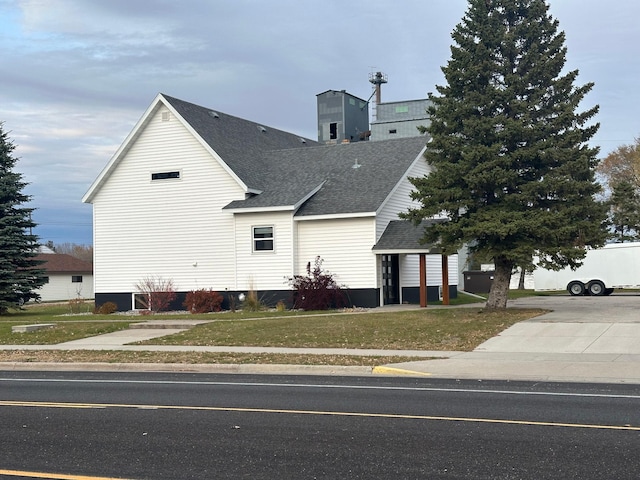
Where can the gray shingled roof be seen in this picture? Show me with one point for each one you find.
(403, 235)
(240, 143)
(292, 174)
(287, 171)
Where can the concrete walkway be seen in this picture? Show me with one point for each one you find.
(583, 339)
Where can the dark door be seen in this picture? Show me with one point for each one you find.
(391, 279)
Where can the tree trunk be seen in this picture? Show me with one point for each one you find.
(523, 272)
(500, 286)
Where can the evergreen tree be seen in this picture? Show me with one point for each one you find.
(19, 272)
(510, 167)
(625, 212)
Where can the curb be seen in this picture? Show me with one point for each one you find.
(275, 369)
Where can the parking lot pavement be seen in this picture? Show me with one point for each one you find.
(616, 308)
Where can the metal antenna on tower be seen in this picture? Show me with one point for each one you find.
(377, 79)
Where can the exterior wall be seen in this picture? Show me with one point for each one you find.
(266, 270)
(399, 119)
(399, 200)
(60, 287)
(344, 246)
(173, 228)
(351, 114)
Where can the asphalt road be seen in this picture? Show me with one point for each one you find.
(190, 426)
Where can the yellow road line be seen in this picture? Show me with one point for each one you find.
(12, 403)
(53, 476)
(398, 371)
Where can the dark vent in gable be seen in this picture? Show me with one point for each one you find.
(164, 175)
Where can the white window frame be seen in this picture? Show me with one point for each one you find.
(255, 239)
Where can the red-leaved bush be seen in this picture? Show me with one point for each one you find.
(317, 290)
(203, 301)
(157, 293)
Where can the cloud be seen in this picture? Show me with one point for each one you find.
(81, 73)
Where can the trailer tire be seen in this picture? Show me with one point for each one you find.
(576, 288)
(596, 287)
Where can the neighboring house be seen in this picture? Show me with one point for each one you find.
(209, 200)
(67, 277)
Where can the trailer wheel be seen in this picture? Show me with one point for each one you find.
(596, 287)
(576, 288)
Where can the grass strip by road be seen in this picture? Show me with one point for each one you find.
(193, 358)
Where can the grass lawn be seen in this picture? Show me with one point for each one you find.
(447, 328)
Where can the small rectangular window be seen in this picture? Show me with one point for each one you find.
(76, 279)
(393, 130)
(140, 301)
(262, 239)
(164, 175)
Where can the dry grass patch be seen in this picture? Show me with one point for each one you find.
(460, 329)
(62, 332)
(192, 358)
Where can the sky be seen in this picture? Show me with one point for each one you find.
(76, 75)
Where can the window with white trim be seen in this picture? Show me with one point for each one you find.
(262, 239)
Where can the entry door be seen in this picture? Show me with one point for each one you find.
(391, 279)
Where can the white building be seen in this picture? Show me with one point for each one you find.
(209, 200)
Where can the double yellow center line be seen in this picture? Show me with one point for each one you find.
(16, 403)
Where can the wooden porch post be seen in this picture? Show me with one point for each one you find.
(445, 280)
(423, 280)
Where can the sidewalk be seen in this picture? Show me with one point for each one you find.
(582, 340)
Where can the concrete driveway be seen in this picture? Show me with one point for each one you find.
(583, 339)
(575, 325)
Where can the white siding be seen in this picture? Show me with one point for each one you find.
(399, 200)
(172, 228)
(60, 287)
(344, 246)
(410, 270)
(264, 270)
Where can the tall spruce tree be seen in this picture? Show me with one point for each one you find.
(19, 272)
(511, 169)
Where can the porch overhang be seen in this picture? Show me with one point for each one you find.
(404, 237)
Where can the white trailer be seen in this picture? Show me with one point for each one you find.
(616, 265)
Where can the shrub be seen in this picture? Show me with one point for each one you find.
(106, 308)
(77, 305)
(252, 303)
(317, 290)
(203, 301)
(157, 293)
